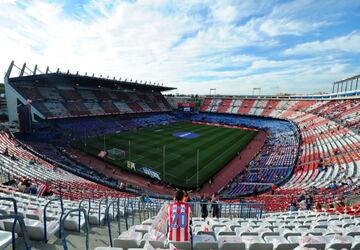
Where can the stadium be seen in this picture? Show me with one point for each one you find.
(93, 162)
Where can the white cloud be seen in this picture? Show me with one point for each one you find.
(278, 27)
(225, 14)
(158, 40)
(348, 43)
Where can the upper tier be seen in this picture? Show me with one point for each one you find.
(345, 112)
(60, 95)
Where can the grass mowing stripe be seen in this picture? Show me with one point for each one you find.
(214, 148)
(171, 144)
(217, 146)
(243, 142)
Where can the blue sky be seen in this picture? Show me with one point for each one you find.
(297, 46)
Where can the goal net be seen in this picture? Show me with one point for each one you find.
(116, 154)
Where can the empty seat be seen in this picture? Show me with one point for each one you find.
(227, 242)
(204, 242)
(128, 239)
(5, 239)
(256, 243)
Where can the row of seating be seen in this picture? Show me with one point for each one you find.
(22, 164)
(278, 231)
(344, 111)
(273, 164)
(329, 150)
(69, 101)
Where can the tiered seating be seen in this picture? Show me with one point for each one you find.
(49, 93)
(224, 106)
(135, 107)
(87, 94)
(258, 107)
(72, 101)
(57, 109)
(102, 95)
(324, 137)
(28, 165)
(271, 104)
(94, 108)
(160, 99)
(42, 108)
(235, 105)
(29, 92)
(144, 106)
(246, 106)
(206, 104)
(77, 108)
(155, 107)
(286, 230)
(69, 94)
(122, 107)
(109, 107)
(32, 209)
(273, 164)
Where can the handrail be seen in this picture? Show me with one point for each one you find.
(107, 216)
(88, 212)
(18, 218)
(14, 201)
(103, 199)
(86, 227)
(44, 216)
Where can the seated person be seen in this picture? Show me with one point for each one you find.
(44, 190)
(333, 185)
(179, 216)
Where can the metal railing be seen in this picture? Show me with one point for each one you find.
(17, 218)
(107, 216)
(79, 210)
(45, 219)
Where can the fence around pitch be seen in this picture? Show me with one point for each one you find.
(228, 210)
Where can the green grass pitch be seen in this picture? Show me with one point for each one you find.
(217, 146)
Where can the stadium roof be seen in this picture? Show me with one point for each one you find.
(79, 80)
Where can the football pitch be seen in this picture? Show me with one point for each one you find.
(173, 152)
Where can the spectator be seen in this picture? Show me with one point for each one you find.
(349, 182)
(313, 190)
(27, 184)
(273, 188)
(302, 204)
(44, 189)
(186, 197)
(293, 205)
(318, 206)
(333, 185)
(147, 199)
(301, 197)
(33, 189)
(179, 215)
(309, 202)
(21, 186)
(215, 207)
(204, 209)
(320, 166)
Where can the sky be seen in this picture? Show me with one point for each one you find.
(299, 46)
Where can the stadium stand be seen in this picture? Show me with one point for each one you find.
(324, 139)
(309, 164)
(67, 98)
(269, 166)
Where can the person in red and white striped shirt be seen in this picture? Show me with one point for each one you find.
(179, 216)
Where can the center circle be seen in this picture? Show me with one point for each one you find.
(186, 135)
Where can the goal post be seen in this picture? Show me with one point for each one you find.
(116, 154)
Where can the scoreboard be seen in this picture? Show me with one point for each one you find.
(186, 107)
